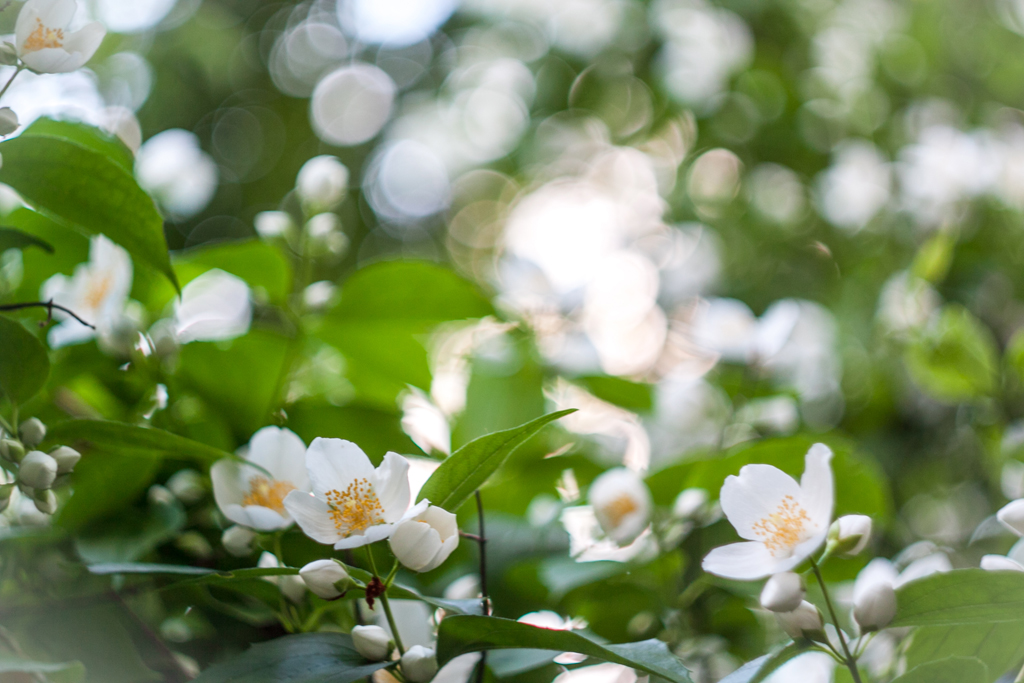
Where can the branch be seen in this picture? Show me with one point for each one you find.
(481, 540)
(49, 306)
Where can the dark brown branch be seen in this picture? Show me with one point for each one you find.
(49, 306)
(481, 540)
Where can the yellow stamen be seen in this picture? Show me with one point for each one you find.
(618, 508)
(356, 508)
(783, 530)
(268, 493)
(43, 37)
(97, 291)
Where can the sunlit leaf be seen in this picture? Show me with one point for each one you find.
(24, 363)
(963, 596)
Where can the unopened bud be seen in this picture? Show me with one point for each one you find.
(8, 121)
(11, 450)
(38, 470)
(32, 431)
(8, 54)
(46, 501)
(6, 491)
(849, 535)
(803, 622)
(1000, 563)
(783, 592)
(372, 642)
(326, 579)
(270, 224)
(66, 458)
(419, 664)
(292, 587)
(237, 540)
(195, 544)
(187, 486)
(875, 607)
(321, 183)
(1012, 516)
(159, 495)
(689, 503)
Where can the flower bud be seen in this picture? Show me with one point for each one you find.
(1012, 516)
(372, 642)
(8, 120)
(803, 622)
(849, 535)
(689, 503)
(1000, 563)
(783, 592)
(66, 458)
(321, 183)
(6, 491)
(424, 541)
(270, 224)
(11, 450)
(159, 495)
(46, 501)
(8, 54)
(875, 607)
(38, 470)
(292, 587)
(32, 431)
(326, 579)
(237, 540)
(419, 664)
(187, 486)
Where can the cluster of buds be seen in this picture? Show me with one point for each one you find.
(418, 663)
(36, 472)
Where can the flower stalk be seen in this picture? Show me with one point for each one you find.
(848, 659)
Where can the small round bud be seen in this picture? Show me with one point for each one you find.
(8, 120)
(237, 540)
(11, 450)
(37, 470)
(195, 544)
(321, 183)
(187, 486)
(292, 587)
(849, 535)
(419, 664)
(270, 224)
(803, 622)
(874, 607)
(159, 495)
(372, 642)
(783, 592)
(66, 458)
(46, 501)
(689, 503)
(326, 578)
(8, 54)
(32, 431)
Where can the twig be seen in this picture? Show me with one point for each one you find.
(49, 306)
(486, 604)
(851, 663)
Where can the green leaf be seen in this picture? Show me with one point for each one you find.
(63, 170)
(1000, 646)
(105, 483)
(949, 670)
(463, 634)
(305, 658)
(963, 596)
(126, 538)
(118, 437)
(261, 265)
(759, 669)
(11, 238)
(24, 363)
(621, 392)
(468, 468)
(399, 592)
(56, 672)
(933, 259)
(83, 134)
(954, 358)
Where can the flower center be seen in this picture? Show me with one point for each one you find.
(43, 37)
(782, 530)
(617, 509)
(268, 493)
(97, 291)
(355, 509)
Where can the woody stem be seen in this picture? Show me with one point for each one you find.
(851, 663)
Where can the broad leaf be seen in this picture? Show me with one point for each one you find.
(1000, 646)
(954, 358)
(117, 437)
(305, 658)
(759, 669)
(24, 363)
(96, 139)
(964, 596)
(468, 468)
(210, 575)
(463, 634)
(949, 670)
(56, 672)
(261, 265)
(62, 170)
(11, 238)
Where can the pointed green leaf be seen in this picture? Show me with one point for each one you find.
(118, 437)
(24, 363)
(463, 634)
(963, 596)
(1000, 646)
(948, 670)
(468, 468)
(11, 238)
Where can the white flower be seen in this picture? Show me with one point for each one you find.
(44, 43)
(215, 306)
(803, 622)
(291, 586)
(783, 522)
(321, 183)
(246, 495)
(423, 542)
(874, 595)
(1012, 516)
(270, 224)
(326, 578)
(726, 327)
(425, 423)
(237, 540)
(97, 293)
(173, 168)
(352, 504)
(372, 642)
(419, 664)
(690, 503)
(783, 592)
(622, 504)
(999, 563)
(37, 470)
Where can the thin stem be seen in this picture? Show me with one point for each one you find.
(387, 605)
(486, 605)
(48, 305)
(851, 663)
(21, 67)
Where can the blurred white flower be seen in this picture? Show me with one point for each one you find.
(97, 292)
(783, 592)
(177, 172)
(249, 496)
(215, 306)
(321, 183)
(291, 585)
(812, 667)
(425, 423)
(622, 504)
(726, 327)
(906, 303)
(1000, 563)
(783, 521)
(874, 595)
(351, 504)
(43, 41)
(237, 540)
(270, 224)
(351, 105)
(394, 23)
(855, 187)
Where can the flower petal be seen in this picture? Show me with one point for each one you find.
(311, 515)
(53, 60)
(756, 493)
(816, 486)
(86, 40)
(741, 561)
(282, 453)
(370, 535)
(256, 517)
(392, 486)
(333, 464)
(228, 486)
